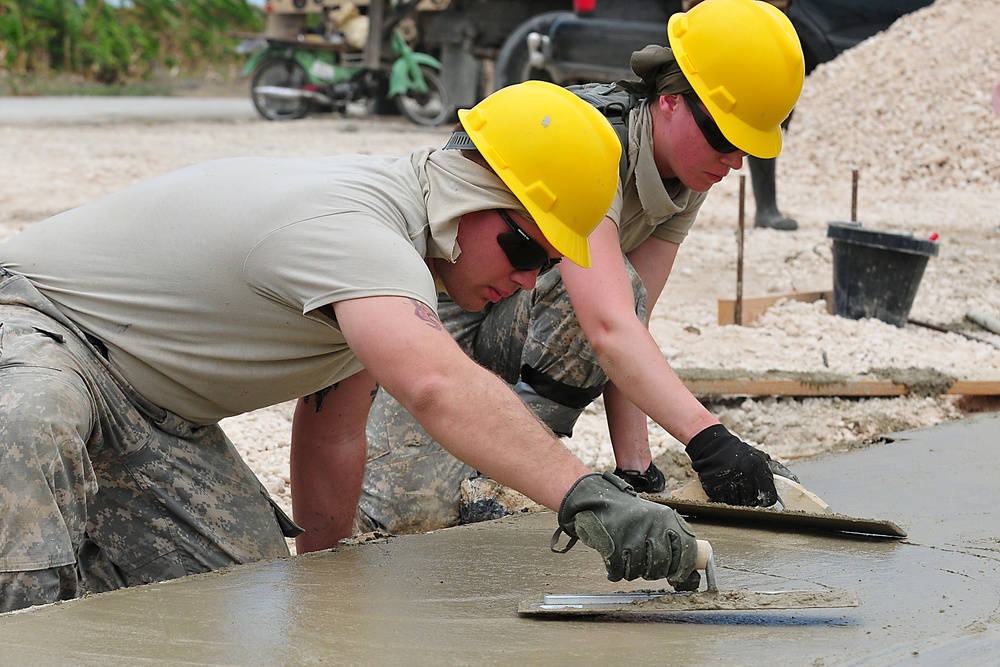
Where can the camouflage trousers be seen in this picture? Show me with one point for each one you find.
(533, 341)
(100, 489)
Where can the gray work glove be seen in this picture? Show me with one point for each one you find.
(732, 471)
(635, 537)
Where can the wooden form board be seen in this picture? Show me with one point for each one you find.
(775, 383)
(754, 307)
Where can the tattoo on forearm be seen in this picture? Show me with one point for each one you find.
(319, 396)
(425, 313)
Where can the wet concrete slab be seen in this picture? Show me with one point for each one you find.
(450, 597)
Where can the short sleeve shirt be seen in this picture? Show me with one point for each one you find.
(205, 284)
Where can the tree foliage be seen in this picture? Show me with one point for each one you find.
(125, 41)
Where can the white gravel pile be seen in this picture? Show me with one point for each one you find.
(912, 105)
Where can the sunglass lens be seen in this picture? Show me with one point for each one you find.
(523, 253)
(709, 129)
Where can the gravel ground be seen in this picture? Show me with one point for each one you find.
(909, 109)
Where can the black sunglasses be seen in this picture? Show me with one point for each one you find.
(522, 251)
(713, 135)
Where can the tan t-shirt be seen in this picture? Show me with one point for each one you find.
(205, 283)
(645, 204)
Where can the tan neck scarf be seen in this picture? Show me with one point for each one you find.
(454, 185)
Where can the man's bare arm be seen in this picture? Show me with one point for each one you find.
(328, 460)
(468, 410)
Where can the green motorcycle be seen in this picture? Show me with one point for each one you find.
(313, 73)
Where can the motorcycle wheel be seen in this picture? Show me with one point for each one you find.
(286, 74)
(430, 108)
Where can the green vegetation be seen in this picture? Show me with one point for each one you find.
(100, 46)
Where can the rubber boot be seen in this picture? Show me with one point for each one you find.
(762, 176)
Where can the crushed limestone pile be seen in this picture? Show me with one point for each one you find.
(909, 107)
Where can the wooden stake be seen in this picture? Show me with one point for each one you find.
(753, 307)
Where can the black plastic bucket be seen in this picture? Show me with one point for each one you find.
(876, 274)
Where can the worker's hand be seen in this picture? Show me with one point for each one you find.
(730, 470)
(635, 537)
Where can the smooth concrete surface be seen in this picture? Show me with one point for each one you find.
(450, 597)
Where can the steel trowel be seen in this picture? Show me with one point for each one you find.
(648, 602)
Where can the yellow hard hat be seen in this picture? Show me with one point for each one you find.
(557, 154)
(744, 60)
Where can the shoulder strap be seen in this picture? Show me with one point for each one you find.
(615, 103)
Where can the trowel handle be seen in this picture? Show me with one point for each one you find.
(706, 561)
(704, 554)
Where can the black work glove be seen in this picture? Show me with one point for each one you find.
(651, 481)
(733, 472)
(635, 537)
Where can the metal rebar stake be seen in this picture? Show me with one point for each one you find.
(738, 307)
(854, 195)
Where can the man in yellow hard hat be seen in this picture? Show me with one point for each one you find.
(132, 325)
(732, 73)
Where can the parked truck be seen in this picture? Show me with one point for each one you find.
(487, 44)
(484, 45)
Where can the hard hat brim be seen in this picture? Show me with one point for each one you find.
(748, 139)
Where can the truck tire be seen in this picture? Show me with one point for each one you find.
(512, 60)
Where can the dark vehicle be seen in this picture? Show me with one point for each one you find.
(575, 42)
